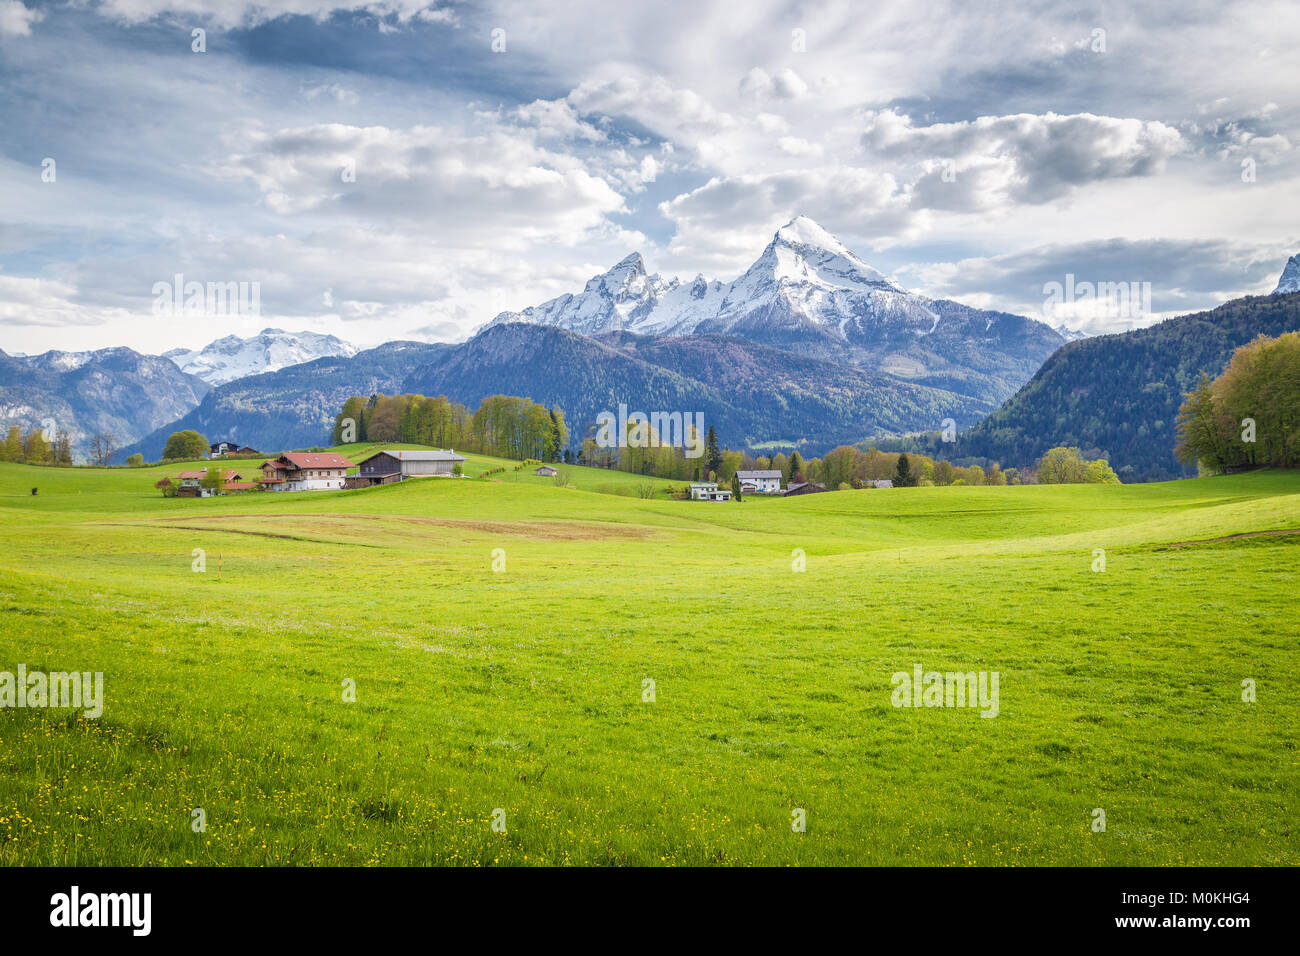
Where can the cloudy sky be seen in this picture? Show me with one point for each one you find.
(403, 169)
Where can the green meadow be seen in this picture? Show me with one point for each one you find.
(500, 633)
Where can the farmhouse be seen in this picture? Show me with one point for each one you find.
(385, 467)
(546, 471)
(760, 482)
(305, 471)
(883, 483)
(709, 491)
(217, 449)
(190, 483)
(804, 488)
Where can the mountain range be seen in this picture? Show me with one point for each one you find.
(115, 391)
(293, 407)
(270, 350)
(809, 294)
(808, 344)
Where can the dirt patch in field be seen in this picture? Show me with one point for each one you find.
(1236, 537)
(547, 530)
(543, 530)
(171, 523)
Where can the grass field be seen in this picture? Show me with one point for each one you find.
(521, 690)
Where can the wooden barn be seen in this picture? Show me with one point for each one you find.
(387, 466)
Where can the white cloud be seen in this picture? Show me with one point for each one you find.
(1181, 275)
(1021, 158)
(491, 186)
(16, 19)
(246, 13)
(557, 119)
(784, 84)
(332, 91)
(677, 112)
(493, 181)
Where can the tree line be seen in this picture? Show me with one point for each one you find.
(844, 467)
(35, 448)
(505, 426)
(849, 466)
(1249, 416)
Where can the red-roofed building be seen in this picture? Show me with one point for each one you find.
(191, 483)
(305, 471)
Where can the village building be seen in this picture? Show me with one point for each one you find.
(386, 467)
(546, 471)
(305, 471)
(708, 491)
(217, 449)
(190, 483)
(804, 488)
(883, 483)
(762, 482)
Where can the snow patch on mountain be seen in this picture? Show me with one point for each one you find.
(56, 361)
(1069, 334)
(232, 357)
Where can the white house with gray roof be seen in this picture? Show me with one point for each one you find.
(761, 482)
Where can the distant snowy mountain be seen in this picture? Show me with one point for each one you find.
(1290, 280)
(1069, 334)
(231, 357)
(113, 391)
(810, 294)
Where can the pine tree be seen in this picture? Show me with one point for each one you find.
(712, 453)
(796, 467)
(903, 473)
(735, 488)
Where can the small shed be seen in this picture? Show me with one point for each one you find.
(546, 471)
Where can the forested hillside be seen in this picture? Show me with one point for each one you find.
(1117, 396)
(750, 393)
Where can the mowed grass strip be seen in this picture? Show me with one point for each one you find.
(522, 689)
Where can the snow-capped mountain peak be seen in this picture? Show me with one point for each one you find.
(802, 231)
(1290, 280)
(802, 253)
(806, 290)
(626, 280)
(232, 357)
(802, 262)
